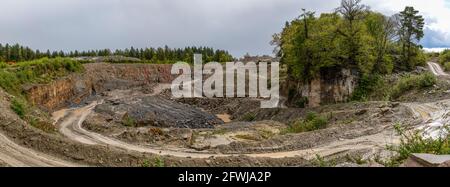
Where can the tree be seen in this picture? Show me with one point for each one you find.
(353, 12)
(410, 32)
(382, 31)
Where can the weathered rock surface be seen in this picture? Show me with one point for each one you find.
(158, 112)
(427, 160)
(97, 78)
(333, 86)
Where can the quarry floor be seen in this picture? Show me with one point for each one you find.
(112, 129)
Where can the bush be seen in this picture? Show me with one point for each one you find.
(444, 57)
(414, 142)
(36, 71)
(411, 82)
(447, 66)
(128, 121)
(369, 86)
(3, 65)
(249, 117)
(18, 106)
(311, 122)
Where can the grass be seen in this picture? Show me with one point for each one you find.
(266, 134)
(447, 66)
(319, 161)
(249, 117)
(357, 159)
(411, 82)
(19, 107)
(3, 65)
(370, 87)
(414, 142)
(375, 87)
(444, 56)
(158, 161)
(312, 122)
(12, 77)
(128, 121)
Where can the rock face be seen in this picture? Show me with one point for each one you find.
(97, 78)
(332, 86)
(157, 111)
(427, 160)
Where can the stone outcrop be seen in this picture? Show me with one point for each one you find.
(331, 86)
(98, 77)
(427, 160)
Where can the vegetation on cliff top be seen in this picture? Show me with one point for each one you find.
(376, 87)
(12, 77)
(351, 37)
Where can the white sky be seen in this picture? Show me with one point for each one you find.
(238, 26)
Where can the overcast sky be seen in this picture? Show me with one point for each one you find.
(238, 26)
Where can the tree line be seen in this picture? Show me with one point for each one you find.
(352, 37)
(18, 53)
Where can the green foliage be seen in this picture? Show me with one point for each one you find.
(319, 161)
(353, 37)
(309, 44)
(444, 57)
(447, 66)
(43, 125)
(368, 86)
(36, 71)
(19, 107)
(411, 82)
(409, 33)
(157, 162)
(249, 117)
(414, 142)
(302, 102)
(128, 121)
(311, 122)
(3, 65)
(18, 53)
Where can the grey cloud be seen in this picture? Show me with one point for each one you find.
(239, 26)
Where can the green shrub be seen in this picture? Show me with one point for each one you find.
(311, 122)
(3, 65)
(18, 106)
(302, 102)
(447, 66)
(36, 71)
(414, 142)
(249, 117)
(444, 57)
(369, 86)
(411, 82)
(128, 121)
(157, 162)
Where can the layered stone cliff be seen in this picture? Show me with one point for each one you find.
(98, 77)
(331, 86)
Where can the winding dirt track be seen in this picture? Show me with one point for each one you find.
(436, 69)
(70, 124)
(15, 155)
